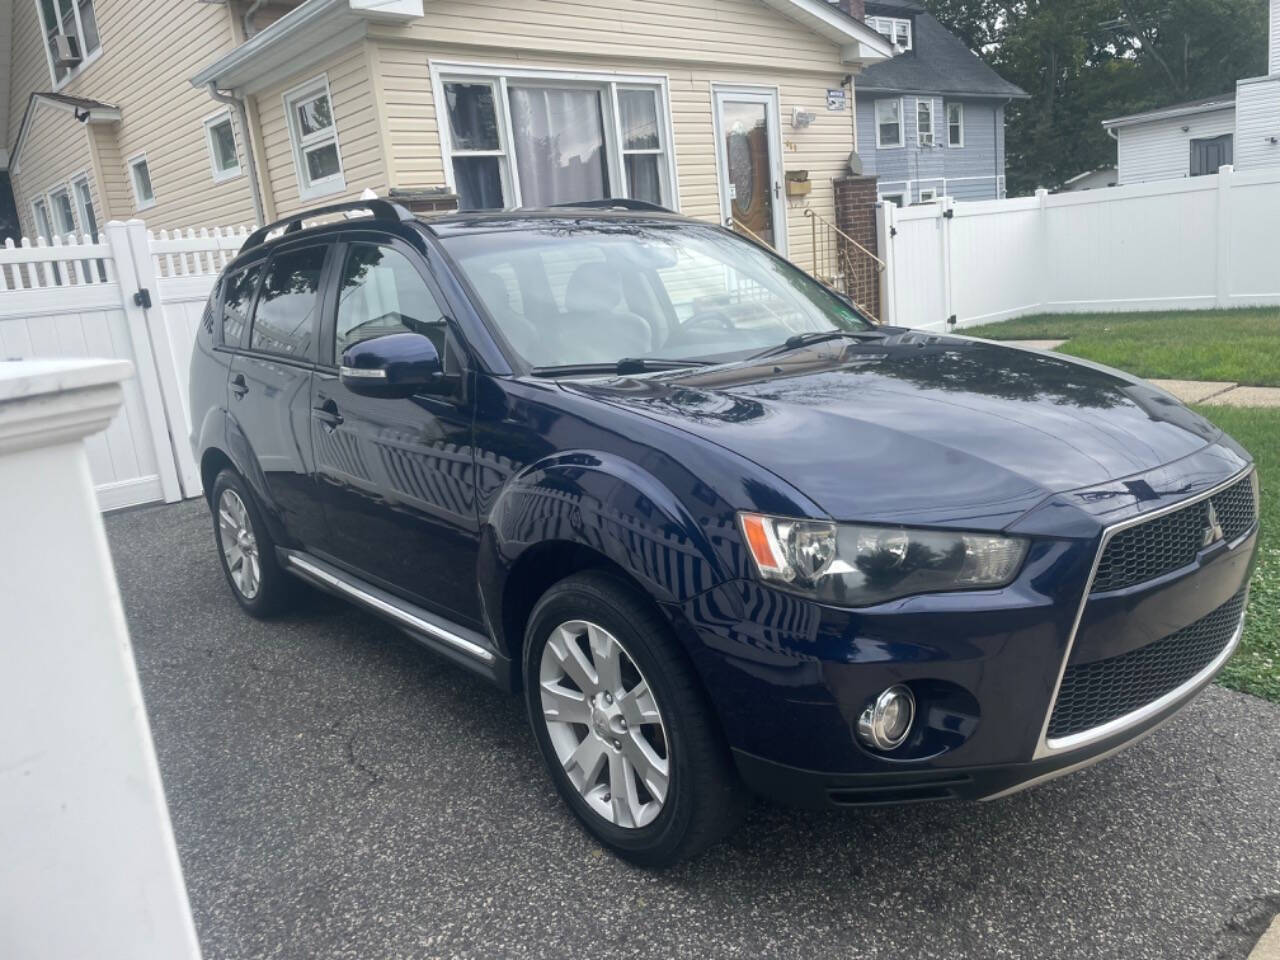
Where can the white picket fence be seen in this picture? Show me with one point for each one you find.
(85, 299)
(1175, 245)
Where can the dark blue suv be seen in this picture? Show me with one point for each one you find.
(720, 529)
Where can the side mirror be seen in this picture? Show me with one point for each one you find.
(397, 365)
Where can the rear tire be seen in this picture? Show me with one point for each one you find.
(246, 551)
(625, 730)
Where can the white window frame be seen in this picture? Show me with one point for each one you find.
(902, 131)
(219, 118)
(54, 193)
(129, 165)
(82, 211)
(960, 123)
(86, 58)
(891, 28)
(38, 204)
(925, 138)
(309, 189)
(928, 194)
(897, 199)
(608, 83)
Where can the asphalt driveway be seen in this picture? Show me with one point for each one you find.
(339, 792)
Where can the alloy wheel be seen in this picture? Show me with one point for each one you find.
(239, 545)
(604, 724)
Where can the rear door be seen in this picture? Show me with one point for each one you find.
(397, 474)
(275, 308)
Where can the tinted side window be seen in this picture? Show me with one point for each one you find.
(287, 307)
(383, 293)
(237, 303)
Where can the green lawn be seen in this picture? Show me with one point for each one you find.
(1256, 667)
(1238, 345)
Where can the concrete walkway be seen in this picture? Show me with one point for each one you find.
(1211, 392)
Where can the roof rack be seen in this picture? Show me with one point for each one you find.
(617, 203)
(381, 210)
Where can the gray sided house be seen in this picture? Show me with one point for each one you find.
(931, 119)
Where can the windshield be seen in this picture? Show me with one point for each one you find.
(564, 293)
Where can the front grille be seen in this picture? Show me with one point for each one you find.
(1171, 541)
(1095, 693)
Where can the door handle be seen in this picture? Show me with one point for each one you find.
(238, 385)
(327, 413)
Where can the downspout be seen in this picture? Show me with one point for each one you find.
(248, 18)
(251, 166)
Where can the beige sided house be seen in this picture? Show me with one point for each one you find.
(101, 123)
(699, 105)
(710, 107)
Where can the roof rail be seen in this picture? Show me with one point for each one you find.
(617, 203)
(381, 210)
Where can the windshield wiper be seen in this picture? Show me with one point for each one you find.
(801, 340)
(621, 368)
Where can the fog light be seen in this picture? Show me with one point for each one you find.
(885, 723)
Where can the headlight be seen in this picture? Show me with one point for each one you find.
(857, 566)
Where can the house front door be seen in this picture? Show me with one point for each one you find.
(748, 152)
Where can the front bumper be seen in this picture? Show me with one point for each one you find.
(790, 677)
(816, 790)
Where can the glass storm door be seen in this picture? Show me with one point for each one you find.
(749, 164)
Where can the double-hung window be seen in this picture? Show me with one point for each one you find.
(220, 133)
(896, 31)
(144, 195)
(536, 138)
(955, 124)
(888, 123)
(316, 156)
(44, 226)
(71, 36)
(63, 215)
(924, 122)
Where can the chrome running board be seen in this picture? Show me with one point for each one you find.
(423, 625)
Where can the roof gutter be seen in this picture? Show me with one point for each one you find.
(1170, 113)
(251, 165)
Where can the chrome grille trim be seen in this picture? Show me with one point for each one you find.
(1046, 747)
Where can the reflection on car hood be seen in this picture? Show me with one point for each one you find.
(923, 429)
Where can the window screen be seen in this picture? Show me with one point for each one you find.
(288, 303)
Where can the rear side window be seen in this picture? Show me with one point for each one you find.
(289, 303)
(238, 302)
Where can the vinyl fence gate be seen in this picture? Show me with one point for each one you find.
(132, 295)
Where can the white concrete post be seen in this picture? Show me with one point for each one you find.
(1226, 175)
(117, 235)
(88, 866)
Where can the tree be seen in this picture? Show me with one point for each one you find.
(1084, 61)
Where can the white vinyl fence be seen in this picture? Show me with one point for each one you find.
(133, 296)
(1178, 245)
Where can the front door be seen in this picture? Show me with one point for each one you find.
(396, 474)
(750, 167)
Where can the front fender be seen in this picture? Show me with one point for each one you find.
(607, 504)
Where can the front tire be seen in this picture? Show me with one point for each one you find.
(246, 550)
(631, 744)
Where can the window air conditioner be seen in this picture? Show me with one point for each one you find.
(66, 51)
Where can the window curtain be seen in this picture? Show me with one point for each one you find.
(559, 145)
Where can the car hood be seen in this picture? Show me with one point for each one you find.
(923, 429)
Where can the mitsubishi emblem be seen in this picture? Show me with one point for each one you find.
(1213, 532)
